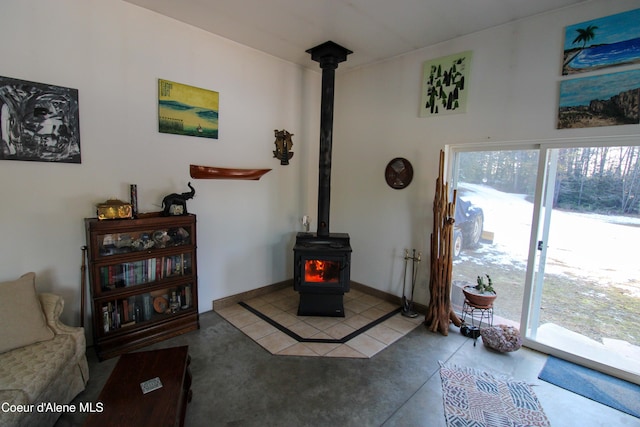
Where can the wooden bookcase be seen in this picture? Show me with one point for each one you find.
(143, 280)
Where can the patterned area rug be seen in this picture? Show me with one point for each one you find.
(478, 399)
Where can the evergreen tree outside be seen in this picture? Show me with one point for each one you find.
(589, 179)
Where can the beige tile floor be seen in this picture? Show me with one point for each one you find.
(360, 309)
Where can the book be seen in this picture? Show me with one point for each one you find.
(105, 317)
(125, 312)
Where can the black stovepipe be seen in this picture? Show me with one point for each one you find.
(328, 55)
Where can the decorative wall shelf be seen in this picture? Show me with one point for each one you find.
(210, 172)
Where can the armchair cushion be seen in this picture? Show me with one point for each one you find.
(21, 316)
(33, 368)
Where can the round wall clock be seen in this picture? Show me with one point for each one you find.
(398, 173)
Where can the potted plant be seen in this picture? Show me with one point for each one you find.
(481, 295)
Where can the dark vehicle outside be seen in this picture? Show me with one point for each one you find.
(469, 222)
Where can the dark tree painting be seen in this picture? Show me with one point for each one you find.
(38, 122)
(444, 85)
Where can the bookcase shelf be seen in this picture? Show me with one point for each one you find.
(143, 280)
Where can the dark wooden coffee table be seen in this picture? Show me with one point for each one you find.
(123, 401)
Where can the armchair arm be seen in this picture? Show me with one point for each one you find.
(52, 306)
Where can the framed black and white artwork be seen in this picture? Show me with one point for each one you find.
(38, 122)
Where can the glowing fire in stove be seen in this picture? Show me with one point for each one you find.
(316, 270)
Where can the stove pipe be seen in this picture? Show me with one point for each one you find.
(329, 55)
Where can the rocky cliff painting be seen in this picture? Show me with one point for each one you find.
(604, 100)
(38, 122)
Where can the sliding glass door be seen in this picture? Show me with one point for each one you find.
(586, 284)
(497, 187)
(559, 235)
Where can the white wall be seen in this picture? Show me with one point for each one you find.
(113, 53)
(514, 85)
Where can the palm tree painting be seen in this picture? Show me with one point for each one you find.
(601, 43)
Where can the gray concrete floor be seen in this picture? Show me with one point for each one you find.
(238, 383)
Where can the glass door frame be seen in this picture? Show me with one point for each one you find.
(535, 268)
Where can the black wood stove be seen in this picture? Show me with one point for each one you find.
(322, 260)
(321, 276)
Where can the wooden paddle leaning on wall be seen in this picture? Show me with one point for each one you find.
(439, 311)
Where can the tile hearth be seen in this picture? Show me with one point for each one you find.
(360, 310)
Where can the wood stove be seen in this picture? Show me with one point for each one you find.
(322, 260)
(322, 273)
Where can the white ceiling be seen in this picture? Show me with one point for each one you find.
(374, 30)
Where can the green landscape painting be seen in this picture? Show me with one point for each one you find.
(187, 110)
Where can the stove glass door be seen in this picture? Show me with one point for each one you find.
(321, 271)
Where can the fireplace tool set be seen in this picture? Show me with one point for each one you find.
(407, 305)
